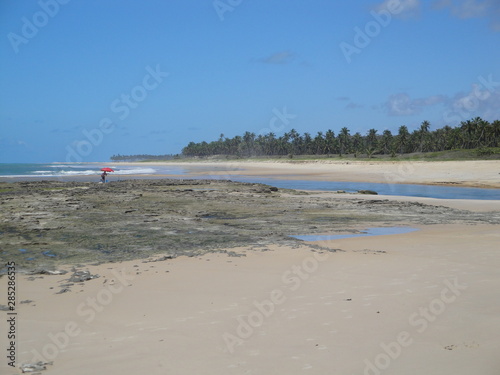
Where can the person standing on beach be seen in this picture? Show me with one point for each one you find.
(103, 177)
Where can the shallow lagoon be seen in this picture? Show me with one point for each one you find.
(407, 190)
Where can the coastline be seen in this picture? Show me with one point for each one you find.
(466, 173)
(356, 305)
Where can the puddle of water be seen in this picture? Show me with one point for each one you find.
(48, 254)
(365, 233)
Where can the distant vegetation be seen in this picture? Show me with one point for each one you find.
(472, 139)
(142, 157)
(476, 133)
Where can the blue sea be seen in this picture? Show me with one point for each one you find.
(66, 170)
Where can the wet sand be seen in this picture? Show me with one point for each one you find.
(420, 302)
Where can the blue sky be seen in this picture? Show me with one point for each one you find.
(83, 80)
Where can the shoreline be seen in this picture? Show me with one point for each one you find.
(476, 173)
(202, 277)
(482, 174)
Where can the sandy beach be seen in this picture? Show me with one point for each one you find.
(477, 173)
(423, 302)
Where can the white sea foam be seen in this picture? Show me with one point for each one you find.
(136, 171)
(85, 172)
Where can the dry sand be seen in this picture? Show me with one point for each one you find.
(424, 302)
(434, 290)
(478, 173)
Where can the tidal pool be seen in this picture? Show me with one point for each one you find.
(382, 231)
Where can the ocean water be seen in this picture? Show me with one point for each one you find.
(78, 169)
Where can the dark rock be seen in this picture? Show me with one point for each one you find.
(31, 367)
(81, 276)
(370, 192)
(44, 271)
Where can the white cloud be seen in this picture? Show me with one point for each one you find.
(469, 8)
(479, 101)
(429, 101)
(405, 8)
(483, 100)
(473, 9)
(402, 104)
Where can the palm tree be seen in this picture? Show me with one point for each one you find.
(319, 143)
(271, 144)
(386, 141)
(468, 129)
(403, 138)
(424, 134)
(296, 142)
(481, 130)
(371, 139)
(329, 142)
(344, 140)
(495, 133)
(248, 143)
(308, 144)
(357, 143)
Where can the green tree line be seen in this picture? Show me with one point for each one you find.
(142, 157)
(470, 134)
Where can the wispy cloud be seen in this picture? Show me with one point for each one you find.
(354, 106)
(402, 104)
(404, 8)
(12, 143)
(478, 101)
(473, 9)
(283, 57)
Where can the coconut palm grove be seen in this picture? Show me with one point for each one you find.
(474, 134)
(471, 134)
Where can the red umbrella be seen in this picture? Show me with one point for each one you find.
(107, 169)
